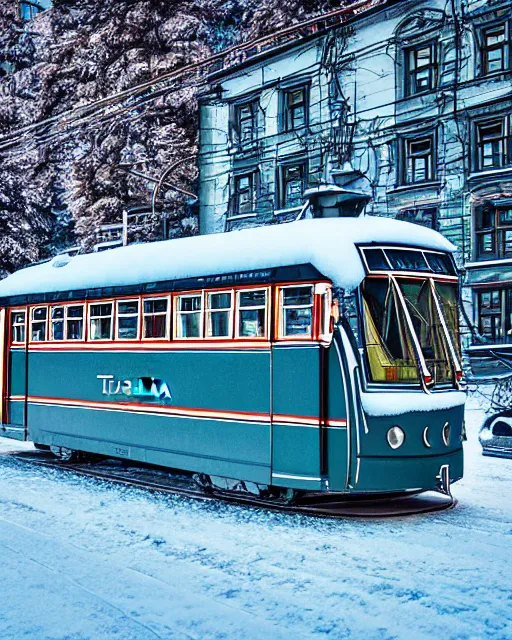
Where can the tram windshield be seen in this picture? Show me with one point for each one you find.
(403, 313)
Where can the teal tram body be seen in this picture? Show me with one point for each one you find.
(332, 365)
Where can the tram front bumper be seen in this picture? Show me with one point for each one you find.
(393, 474)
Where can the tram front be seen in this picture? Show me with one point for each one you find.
(408, 406)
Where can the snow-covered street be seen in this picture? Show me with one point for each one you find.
(82, 559)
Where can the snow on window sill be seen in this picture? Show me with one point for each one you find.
(242, 216)
(280, 212)
(416, 185)
(490, 172)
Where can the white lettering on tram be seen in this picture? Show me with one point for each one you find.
(135, 387)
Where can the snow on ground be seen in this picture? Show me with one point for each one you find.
(82, 559)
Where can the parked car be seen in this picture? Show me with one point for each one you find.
(496, 435)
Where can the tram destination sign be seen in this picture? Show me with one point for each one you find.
(144, 387)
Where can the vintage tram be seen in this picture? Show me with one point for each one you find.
(319, 355)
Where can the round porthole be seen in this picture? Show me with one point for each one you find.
(395, 437)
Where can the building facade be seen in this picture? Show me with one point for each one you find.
(405, 108)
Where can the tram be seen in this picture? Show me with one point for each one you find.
(319, 356)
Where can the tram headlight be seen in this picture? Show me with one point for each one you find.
(396, 437)
(447, 432)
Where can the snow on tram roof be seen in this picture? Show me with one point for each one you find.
(327, 244)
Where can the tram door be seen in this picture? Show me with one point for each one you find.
(14, 374)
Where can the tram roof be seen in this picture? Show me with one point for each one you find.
(329, 245)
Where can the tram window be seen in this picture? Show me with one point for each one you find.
(376, 260)
(57, 324)
(18, 327)
(39, 322)
(252, 313)
(190, 311)
(128, 320)
(439, 263)
(155, 318)
(100, 321)
(297, 311)
(219, 313)
(406, 260)
(75, 322)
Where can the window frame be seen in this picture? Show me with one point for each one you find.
(239, 309)
(286, 120)
(407, 156)
(13, 311)
(167, 314)
(253, 104)
(506, 153)
(253, 176)
(282, 168)
(209, 311)
(498, 231)
(111, 301)
(120, 301)
(485, 49)
(177, 313)
(280, 312)
(83, 318)
(51, 321)
(410, 75)
(32, 322)
(500, 314)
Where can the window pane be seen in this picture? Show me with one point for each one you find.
(99, 310)
(127, 327)
(57, 313)
(190, 303)
(75, 328)
(252, 298)
(219, 324)
(130, 307)
(486, 243)
(58, 330)
(505, 216)
(252, 323)
(39, 314)
(298, 296)
(155, 326)
(189, 325)
(404, 260)
(439, 263)
(101, 328)
(18, 318)
(155, 306)
(38, 331)
(219, 300)
(376, 260)
(76, 312)
(297, 321)
(18, 333)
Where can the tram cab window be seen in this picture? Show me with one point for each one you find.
(219, 312)
(100, 321)
(189, 316)
(297, 311)
(252, 313)
(155, 318)
(127, 320)
(57, 324)
(75, 322)
(39, 322)
(18, 327)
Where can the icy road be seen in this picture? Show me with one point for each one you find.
(81, 559)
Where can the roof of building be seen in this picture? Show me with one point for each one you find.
(329, 245)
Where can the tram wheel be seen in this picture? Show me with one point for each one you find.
(64, 454)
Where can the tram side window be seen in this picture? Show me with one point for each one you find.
(128, 320)
(219, 314)
(297, 311)
(18, 327)
(75, 322)
(189, 316)
(252, 313)
(57, 324)
(38, 325)
(155, 318)
(100, 321)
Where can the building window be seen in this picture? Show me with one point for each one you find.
(100, 321)
(29, 10)
(495, 48)
(420, 65)
(245, 195)
(419, 163)
(246, 130)
(219, 314)
(38, 324)
(155, 318)
(491, 140)
(424, 216)
(493, 229)
(494, 314)
(295, 108)
(189, 316)
(292, 184)
(75, 322)
(57, 324)
(127, 320)
(252, 313)
(296, 311)
(18, 327)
